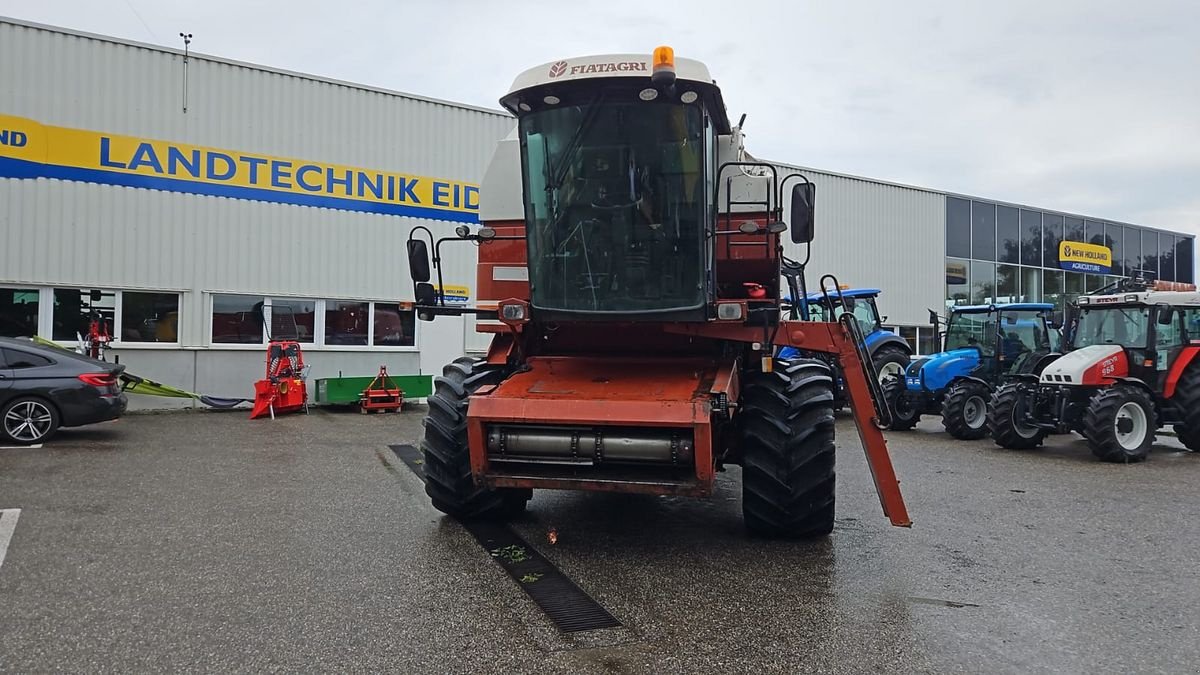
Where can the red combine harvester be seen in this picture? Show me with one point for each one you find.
(629, 268)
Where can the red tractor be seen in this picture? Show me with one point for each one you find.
(1130, 369)
(629, 269)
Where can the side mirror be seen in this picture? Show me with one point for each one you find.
(802, 214)
(426, 295)
(933, 318)
(418, 261)
(1166, 314)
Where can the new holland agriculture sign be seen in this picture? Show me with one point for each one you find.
(29, 149)
(1080, 257)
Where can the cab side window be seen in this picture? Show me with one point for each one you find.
(1191, 323)
(1169, 334)
(18, 359)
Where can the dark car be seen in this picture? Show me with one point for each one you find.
(43, 388)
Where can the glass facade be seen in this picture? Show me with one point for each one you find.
(1000, 253)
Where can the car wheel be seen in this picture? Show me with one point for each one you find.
(28, 420)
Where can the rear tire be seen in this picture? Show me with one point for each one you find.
(964, 410)
(448, 480)
(890, 361)
(1007, 406)
(1187, 398)
(786, 433)
(904, 415)
(1119, 424)
(28, 420)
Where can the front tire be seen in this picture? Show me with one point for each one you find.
(964, 410)
(448, 480)
(1119, 424)
(786, 435)
(28, 421)
(1003, 419)
(905, 415)
(890, 361)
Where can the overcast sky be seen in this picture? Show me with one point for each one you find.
(1088, 106)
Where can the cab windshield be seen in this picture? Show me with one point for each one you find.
(1015, 332)
(972, 330)
(863, 309)
(614, 206)
(1125, 326)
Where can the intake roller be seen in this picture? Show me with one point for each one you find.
(591, 445)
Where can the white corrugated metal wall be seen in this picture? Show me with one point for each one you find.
(102, 236)
(878, 235)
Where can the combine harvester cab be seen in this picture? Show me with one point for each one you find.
(629, 269)
(1130, 369)
(890, 354)
(983, 346)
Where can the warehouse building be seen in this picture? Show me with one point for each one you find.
(184, 198)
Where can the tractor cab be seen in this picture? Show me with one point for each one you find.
(982, 346)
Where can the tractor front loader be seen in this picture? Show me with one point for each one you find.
(629, 271)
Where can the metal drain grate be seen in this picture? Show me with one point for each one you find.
(564, 603)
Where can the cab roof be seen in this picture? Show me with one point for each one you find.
(1010, 306)
(557, 80)
(817, 296)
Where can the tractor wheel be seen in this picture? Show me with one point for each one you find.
(448, 479)
(904, 414)
(786, 442)
(890, 361)
(1187, 395)
(964, 410)
(1119, 424)
(1007, 408)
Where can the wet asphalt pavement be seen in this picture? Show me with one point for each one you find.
(205, 541)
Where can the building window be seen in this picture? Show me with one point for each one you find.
(1053, 289)
(18, 312)
(1008, 234)
(983, 282)
(909, 333)
(1093, 232)
(1183, 260)
(1052, 234)
(149, 317)
(293, 319)
(1133, 250)
(1031, 284)
(983, 231)
(237, 319)
(1114, 235)
(75, 308)
(1008, 283)
(394, 327)
(1166, 257)
(958, 228)
(1074, 230)
(347, 322)
(957, 290)
(1031, 237)
(1075, 286)
(925, 342)
(1150, 252)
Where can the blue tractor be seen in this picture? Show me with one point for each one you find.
(889, 352)
(983, 346)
